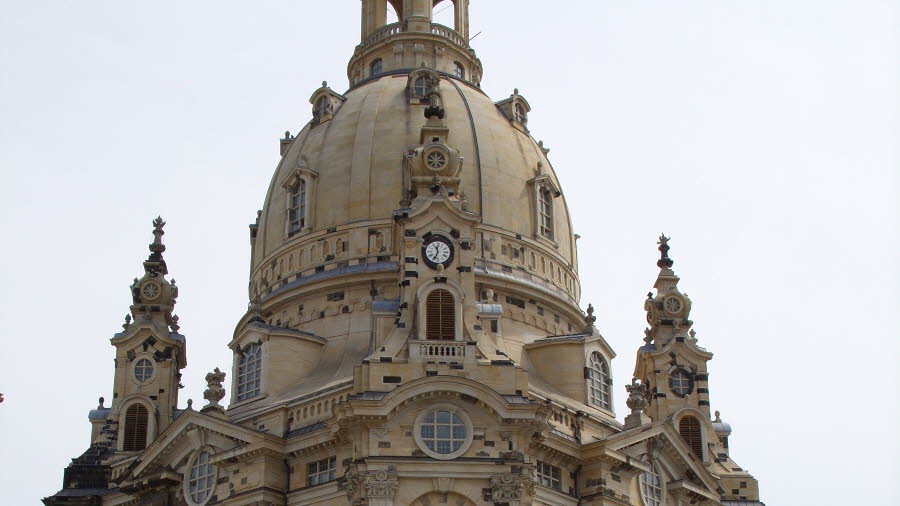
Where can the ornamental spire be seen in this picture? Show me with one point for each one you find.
(155, 262)
(664, 261)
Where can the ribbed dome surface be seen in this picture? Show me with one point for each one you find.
(358, 155)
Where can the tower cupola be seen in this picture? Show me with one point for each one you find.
(415, 40)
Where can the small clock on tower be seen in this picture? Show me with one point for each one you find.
(437, 250)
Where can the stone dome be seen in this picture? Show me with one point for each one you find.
(353, 153)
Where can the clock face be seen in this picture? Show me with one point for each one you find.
(437, 251)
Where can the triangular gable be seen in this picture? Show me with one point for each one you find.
(192, 431)
(663, 437)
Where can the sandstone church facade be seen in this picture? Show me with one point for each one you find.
(414, 335)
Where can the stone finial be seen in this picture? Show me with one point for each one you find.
(214, 392)
(648, 336)
(190, 404)
(127, 322)
(664, 261)
(324, 84)
(638, 398)
(174, 325)
(157, 247)
(718, 417)
(589, 319)
(100, 403)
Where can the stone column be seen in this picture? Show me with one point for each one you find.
(461, 18)
(418, 17)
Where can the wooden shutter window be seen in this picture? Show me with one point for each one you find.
(440, 316)
(136, 419)
(689, 427)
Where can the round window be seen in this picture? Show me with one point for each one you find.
(681, 383)
(143, 370)
(202, 479)
(436, 159)
(444, 432)
(673, 305)
(651, 487)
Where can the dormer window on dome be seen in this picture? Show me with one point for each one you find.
(325, 103)
(299, 187)
(516, 110)
(545, 190)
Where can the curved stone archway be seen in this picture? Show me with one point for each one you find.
(440, 499)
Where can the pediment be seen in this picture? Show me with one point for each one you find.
(663, 444)
(192, 431)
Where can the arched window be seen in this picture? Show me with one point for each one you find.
(521, 115)
(651, 487)
(297, 208)
(136, 421)
(689, 427)
(202, 480)
(546, 212)
(322, 107)
(249, 372)
(440, 316)
(599, 382)
(376, 68)
(458, 70)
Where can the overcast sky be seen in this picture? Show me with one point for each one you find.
(762, 135)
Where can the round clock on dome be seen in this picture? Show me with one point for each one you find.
(437, 250)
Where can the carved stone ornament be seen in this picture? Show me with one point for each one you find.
(381, 484)
(637, 396)
(510, 487)
(214, 391)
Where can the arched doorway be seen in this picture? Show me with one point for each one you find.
(441, 499)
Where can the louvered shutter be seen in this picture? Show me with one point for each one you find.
(136, 420)
(440, 317)
(689, 427)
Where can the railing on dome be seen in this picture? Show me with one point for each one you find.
(395, 28)
(444, 351)
(383, 33)
(449, 33)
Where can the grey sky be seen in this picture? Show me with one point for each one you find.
(762, 135)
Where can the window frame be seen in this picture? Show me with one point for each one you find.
(322, 108)
(134, 369)
(646, 487)
(454, 410)
(599, 376)
(674, 385)
(243, 377)
(548, 475)
(459, 70)
(189, 477)
(298, 198)
(546, 223)
(377, 63)
(329, 471)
